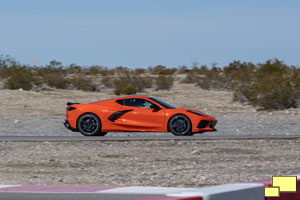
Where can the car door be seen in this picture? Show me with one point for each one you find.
(141, 116)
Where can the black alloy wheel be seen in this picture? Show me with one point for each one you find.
(180, 125)
(90, 125)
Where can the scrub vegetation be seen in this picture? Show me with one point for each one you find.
(272, 85)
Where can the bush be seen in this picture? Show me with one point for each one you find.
(122, 70)
(122, 81)
(83, 83)
(128, 90)
(274, 86)
(168, 71)
(45, 71)
(141, 82)
(201, 71)
(206, 83)
(19, 77)
(56, 80)
(183, 69)
(5, 63)
(139, 71)
(54, 75)
(100, 70)
(74, 69)
(270, 94)
(138, 82)
(163, 70)
(107, 82)
(157, 69)
(237, 74)
(190, 78)
(164, 82)
(212, 79)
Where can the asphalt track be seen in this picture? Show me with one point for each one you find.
(141, 138)
(68, 196)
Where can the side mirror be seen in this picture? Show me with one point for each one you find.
(155, 107)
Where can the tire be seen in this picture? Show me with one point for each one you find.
(180, 125)
(90, 125)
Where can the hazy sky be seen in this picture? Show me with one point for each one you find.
(142, 33)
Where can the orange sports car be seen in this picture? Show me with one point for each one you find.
(135, 113)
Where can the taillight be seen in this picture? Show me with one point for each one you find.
(70, 108)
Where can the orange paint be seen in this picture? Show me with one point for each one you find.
(137, 119)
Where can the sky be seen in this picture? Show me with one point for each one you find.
(143, 33)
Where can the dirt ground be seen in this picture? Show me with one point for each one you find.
(49, 103)
(147, 163)
(151, 163)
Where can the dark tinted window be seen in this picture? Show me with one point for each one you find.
(120, 101)
(164, 104)
(135, 102)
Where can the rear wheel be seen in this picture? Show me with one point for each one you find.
(180, 125)
(90, 125)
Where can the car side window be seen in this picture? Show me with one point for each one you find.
(120, 101)
(136, 102)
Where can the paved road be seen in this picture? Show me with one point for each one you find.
(131, 138)
(228, 125)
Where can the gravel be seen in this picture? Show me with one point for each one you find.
(193, 163)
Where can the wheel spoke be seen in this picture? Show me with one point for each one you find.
(88, 124)
(179, 125)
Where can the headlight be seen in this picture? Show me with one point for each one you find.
(196, 113)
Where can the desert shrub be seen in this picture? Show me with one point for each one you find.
(53, 74)
(168, 71)
(5, 63)
(122, 81)
(19, 77)
(212, 79)
(107, 81)
(190, 78)
(270, 95)
(128, 90)
(199, 70)
(238, 73)
(56, 80)
(204, 77)
(163, 70)
(164, 82)
(139, 71)
(74, 69)
(83, 83)
(274, 86)
(95, 70)
(45, 71)
(241, 94)
(141, 82)
(104, 71)
(183, 69)
(228, 78)
(122, 70)
(206, 83)
(157, 69)
(55, 64)
(138, 82)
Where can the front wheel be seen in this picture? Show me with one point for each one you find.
(90, 125)
(180, 125)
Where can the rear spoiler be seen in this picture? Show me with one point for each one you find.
(70, 103)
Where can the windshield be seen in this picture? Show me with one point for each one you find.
(164, 104)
